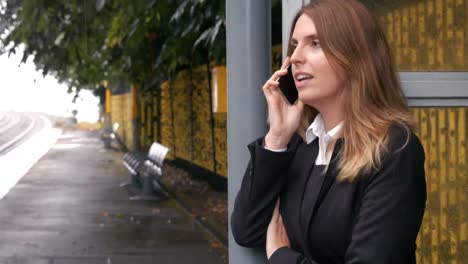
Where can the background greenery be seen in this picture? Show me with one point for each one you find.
(83, 42)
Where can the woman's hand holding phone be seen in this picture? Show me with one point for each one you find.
(283, 117)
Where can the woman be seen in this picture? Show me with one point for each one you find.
(339, 177)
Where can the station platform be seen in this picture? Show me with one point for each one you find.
(69, 209)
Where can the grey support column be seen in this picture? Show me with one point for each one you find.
(248, 67)
(289, 10)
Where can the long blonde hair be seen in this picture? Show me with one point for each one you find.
(355, 45)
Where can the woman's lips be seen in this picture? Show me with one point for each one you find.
(303, 82)
(301, 78)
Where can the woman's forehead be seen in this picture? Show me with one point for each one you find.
(304, 28)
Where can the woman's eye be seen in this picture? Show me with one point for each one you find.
(316, 43)
(293, 47)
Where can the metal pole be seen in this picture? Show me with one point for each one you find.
(289, 10)
(212, 127)
(171, 101)
(248, 67)
(135, 127)
(192, 117)
(107, 120)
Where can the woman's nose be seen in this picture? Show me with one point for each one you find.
(296, 56)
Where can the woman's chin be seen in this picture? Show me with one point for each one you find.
(307, 99)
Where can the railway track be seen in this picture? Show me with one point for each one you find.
(17, 127)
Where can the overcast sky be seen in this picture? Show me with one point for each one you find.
(19, 92)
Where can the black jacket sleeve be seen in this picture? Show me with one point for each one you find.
(263, 180)
(390, 214)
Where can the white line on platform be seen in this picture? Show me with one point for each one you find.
(16, 163)
(19, 136)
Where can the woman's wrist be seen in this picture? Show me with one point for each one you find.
(276, 142)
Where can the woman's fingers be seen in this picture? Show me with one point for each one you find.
(270, 86)
(273, 83)
(285, 63)
(282, 71)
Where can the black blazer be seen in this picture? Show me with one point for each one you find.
(374, 219)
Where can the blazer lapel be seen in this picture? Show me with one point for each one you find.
(313, 187)
(307, 165)
(305, 158)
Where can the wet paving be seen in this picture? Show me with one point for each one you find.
(69, 209)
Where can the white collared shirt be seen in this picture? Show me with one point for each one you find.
(317, 129)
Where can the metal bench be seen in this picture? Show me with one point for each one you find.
(145, 170)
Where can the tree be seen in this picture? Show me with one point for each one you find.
(83, 42)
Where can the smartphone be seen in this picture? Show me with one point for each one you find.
(287, 86)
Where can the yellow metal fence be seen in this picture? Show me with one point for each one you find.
(443, 235)
(185, 121)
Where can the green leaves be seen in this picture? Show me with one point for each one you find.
(84, 42)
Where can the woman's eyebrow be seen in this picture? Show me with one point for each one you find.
(308, 37)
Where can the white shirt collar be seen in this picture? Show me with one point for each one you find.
(317, 129)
